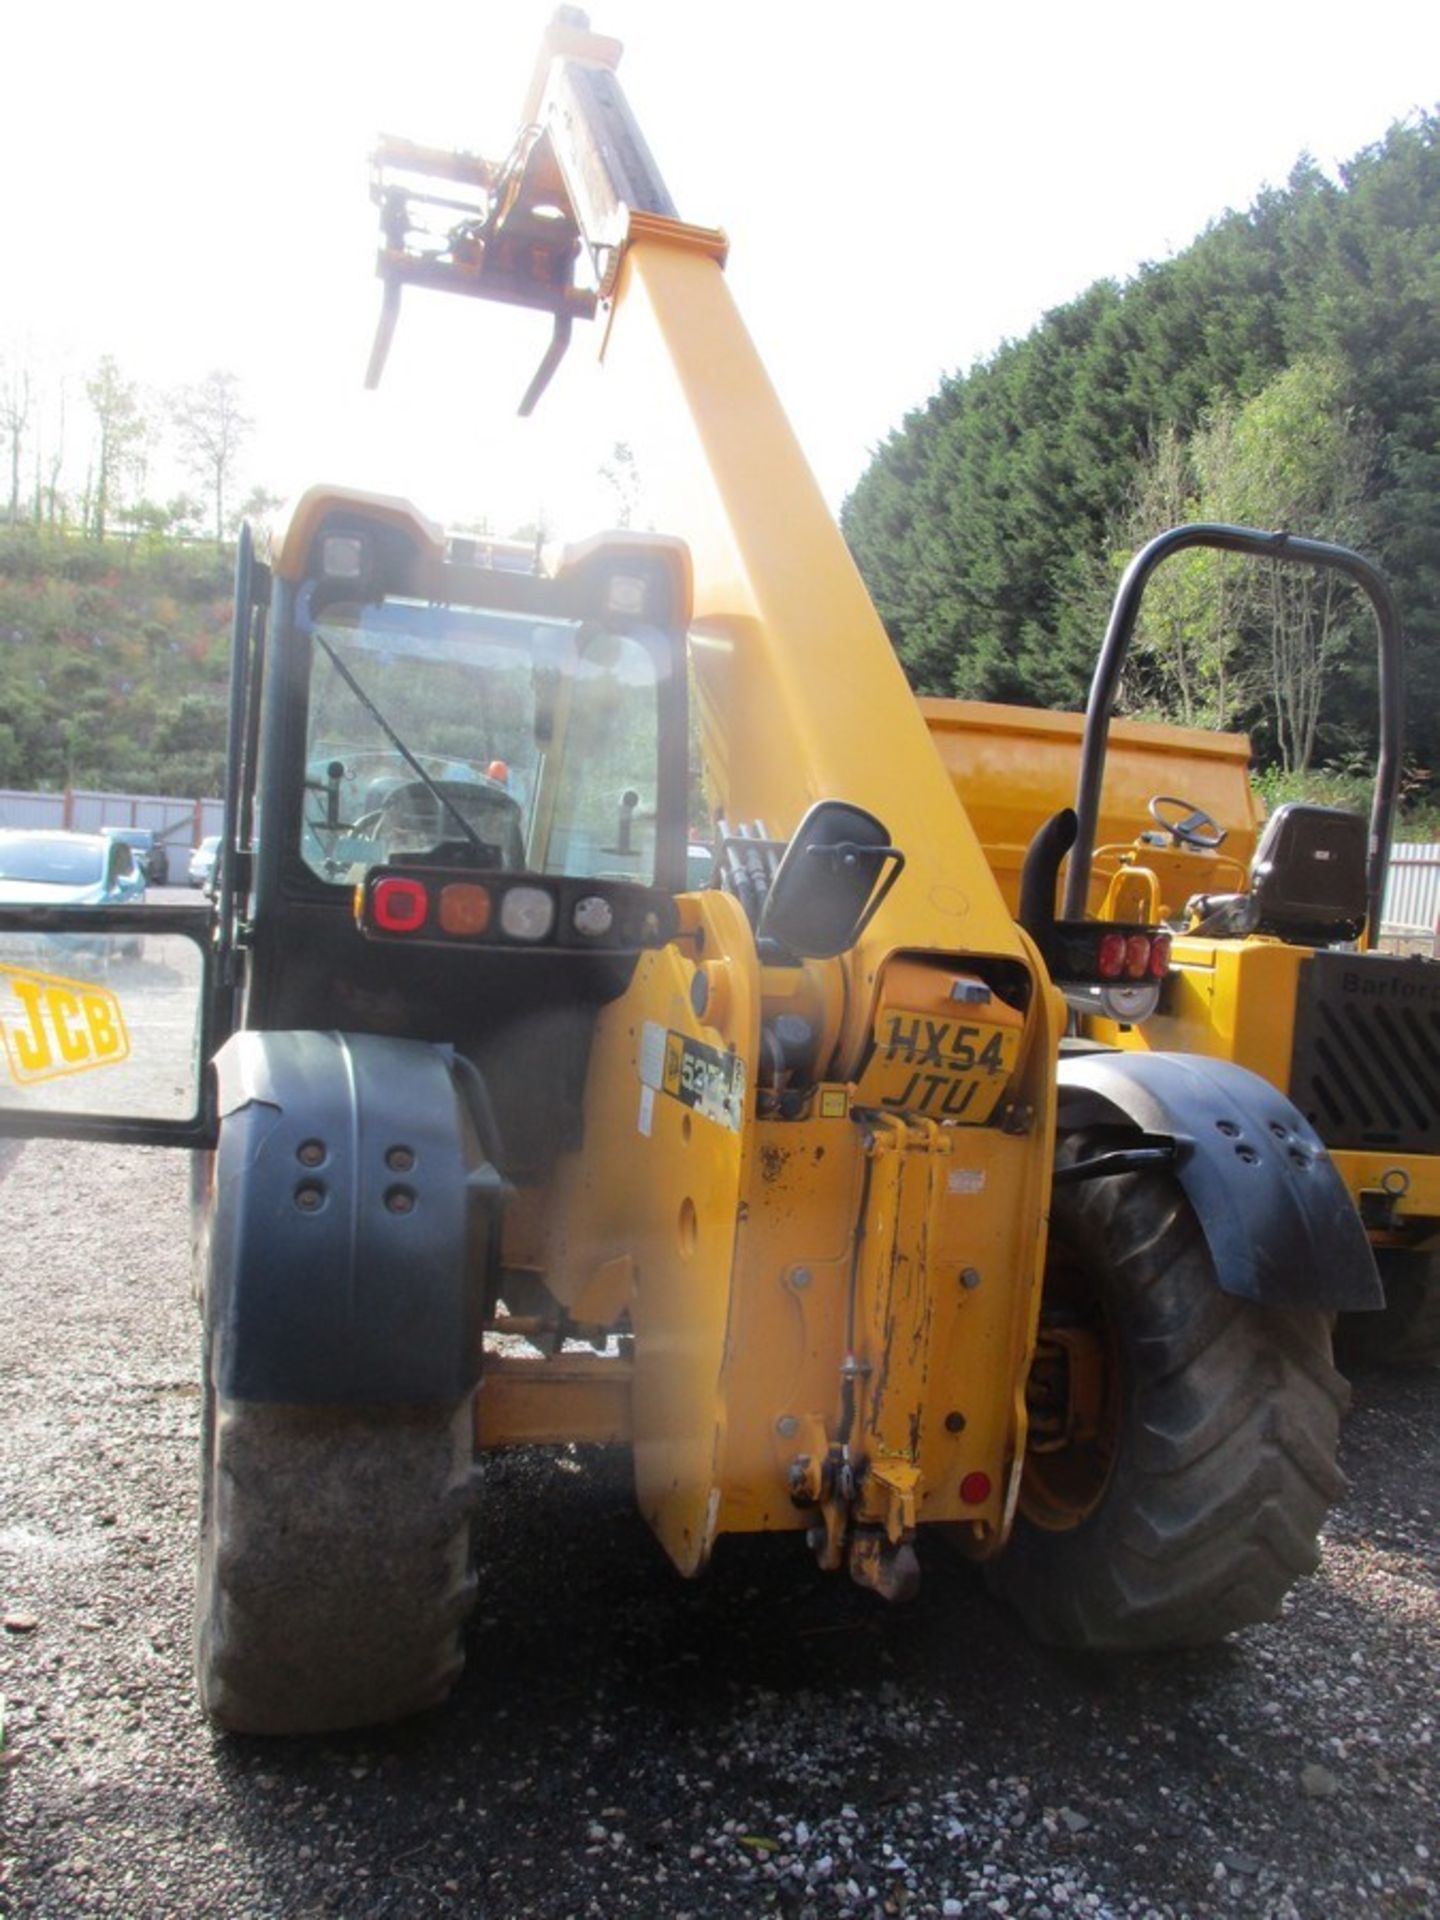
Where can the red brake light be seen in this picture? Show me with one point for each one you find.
(1159, 956)
(975, 1489)
(1137, 956)
(1110, 959)
(398, 906)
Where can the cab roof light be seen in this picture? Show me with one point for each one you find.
(626, 595)
(342, 556)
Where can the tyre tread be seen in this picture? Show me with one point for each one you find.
(1227, 1452)
(334, 1578)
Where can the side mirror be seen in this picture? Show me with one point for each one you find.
(832, 877)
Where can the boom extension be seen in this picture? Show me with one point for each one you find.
(578, 171)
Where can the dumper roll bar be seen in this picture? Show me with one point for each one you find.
(1115, 650)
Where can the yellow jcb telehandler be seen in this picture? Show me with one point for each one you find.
(513, 1135)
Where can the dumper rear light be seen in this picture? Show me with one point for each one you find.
(1110, 956)
(1097, 951)
(1114, 971)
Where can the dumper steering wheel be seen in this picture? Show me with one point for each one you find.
(1193, 828)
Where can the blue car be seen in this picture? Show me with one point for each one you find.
(45, 869)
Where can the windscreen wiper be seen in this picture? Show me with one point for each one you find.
(400, 747)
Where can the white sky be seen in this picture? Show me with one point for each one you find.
(904, 187)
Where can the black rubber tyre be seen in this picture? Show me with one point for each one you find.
(1201, 1504)
(1406, 1330)
(334, 1576)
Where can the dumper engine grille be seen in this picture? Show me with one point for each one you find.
(1365, 1070)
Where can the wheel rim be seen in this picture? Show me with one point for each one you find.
(1073, 1401)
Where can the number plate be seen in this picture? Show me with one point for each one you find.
(944, 1069)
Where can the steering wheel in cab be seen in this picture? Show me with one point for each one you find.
(1187, 824)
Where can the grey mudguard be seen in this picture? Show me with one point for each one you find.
(1280, 1224)
(354, 1218)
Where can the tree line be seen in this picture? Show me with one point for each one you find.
(83, 455)
(1284, 371)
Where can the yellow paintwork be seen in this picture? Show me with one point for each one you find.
(662, 1184)
(1235, 1000)
(941, 1200)
(711, 1213)
(935, 1056)
(1416, 1220)
(762, 1239)
(799, 691)
(1226, 999)
(1013, 767)
(1230, 999)
(526, 1402)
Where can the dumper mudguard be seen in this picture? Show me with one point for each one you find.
(1280, 1223)
(354, 1211)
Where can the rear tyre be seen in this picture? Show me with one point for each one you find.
(1406, 1330)
(1183, 1441)
(334, 1573)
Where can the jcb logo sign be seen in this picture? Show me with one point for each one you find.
(53, 1026)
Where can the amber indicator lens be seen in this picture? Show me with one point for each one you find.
(464, 908)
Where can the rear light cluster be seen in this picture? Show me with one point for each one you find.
(445, 907)
(1110, 955)
(1133, 956)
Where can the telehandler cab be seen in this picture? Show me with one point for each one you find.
(1275, 962)
(757, 1177)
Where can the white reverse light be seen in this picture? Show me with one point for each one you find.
(593, 916)
(527, 913)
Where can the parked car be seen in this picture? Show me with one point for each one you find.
(148, 851)
(39, 868)
(202, 863)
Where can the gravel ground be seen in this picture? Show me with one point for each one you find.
(767, 1740)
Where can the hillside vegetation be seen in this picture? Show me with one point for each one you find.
(113, 663)
(1283, 372)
